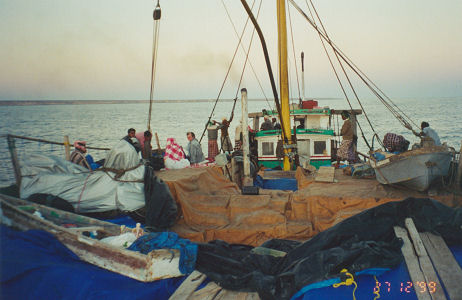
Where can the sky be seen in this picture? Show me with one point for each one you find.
(101, 50)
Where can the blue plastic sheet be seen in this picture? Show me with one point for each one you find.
(34, 265)
(276, 184)
(394, 284)
(168, 240)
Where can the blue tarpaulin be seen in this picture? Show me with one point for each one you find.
(289, 184)
(168, 240)
(34, 265)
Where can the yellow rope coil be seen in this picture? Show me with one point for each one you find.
(377, 286)
(349, 281)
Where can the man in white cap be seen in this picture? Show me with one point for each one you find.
(267, 125)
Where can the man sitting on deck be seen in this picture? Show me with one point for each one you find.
(194, 149)
(427, 131)
(132, 140)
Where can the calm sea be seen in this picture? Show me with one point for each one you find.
(102, 125)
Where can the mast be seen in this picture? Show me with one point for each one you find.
(284, 80)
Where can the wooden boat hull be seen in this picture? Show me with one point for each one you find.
(158, 264)
(416, 171)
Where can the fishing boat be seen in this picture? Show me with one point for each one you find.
(83, 235)
(416, 169)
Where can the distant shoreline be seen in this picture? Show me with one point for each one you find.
(83, 102)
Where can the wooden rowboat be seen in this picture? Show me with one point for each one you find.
(158, 264)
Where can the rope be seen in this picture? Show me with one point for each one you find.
(293, 50)
(226, 76)
(336, 74)
(49, 142)
(348, 281)
(155, 46)
(377, 289)
(247, 52)
(359, 73)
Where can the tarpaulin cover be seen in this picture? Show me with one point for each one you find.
(211, 207)
(35, 265)
(168, 240)
(161, 209)
(87, 192)
(364, 241)
(394, 284)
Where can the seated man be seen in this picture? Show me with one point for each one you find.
(276, 125)
(428, 132)
(267, 125)
(194, 149)
(132, 140)
(78, 155)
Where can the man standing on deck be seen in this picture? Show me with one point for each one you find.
(132, 140)
(266, 125)
(346, 151)
(226, 145)
(427, 131)
(194, 149)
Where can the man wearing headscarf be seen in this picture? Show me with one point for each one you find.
(346, 151)
(78, 155)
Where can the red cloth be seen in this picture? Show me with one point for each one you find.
(213, 149)
(173, 150)
(140, 137)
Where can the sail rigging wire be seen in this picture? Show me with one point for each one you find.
(339, 81)
(344, 71)
(268, 66)
(369, 83)
(226, 76)
(293, 50)
(246, 52)
(155, 46)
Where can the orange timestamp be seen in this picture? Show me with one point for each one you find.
(406, 287)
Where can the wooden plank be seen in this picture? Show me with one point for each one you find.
(412, 263)
(188, 286)
(67, 148)
(425, 263)
(14, 160)
(209, 292)
(233, 295)
(445, 264)
(325, 174)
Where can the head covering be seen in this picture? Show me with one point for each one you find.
(80, 145)
(266, 117)
(223, 119)
(173, 150)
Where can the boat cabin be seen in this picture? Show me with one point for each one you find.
(314, 134)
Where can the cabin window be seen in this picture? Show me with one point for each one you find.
(267, 148)
(319, 147)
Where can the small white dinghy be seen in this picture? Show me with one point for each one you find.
(416, 169)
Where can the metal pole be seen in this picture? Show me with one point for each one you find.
(14, 160)
(459, 170)
(67, 148)
(245, 138)
(303, 77)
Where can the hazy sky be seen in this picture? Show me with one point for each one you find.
(81, 49)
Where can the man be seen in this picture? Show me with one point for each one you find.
(427, 131)
(226, 145)
(275, 124)
(267, 125)
(132, 140)
(78, 155)
(146, 150)
(346, 151)
(194, 149)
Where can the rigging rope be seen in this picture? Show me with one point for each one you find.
(155, 45)
(293, 50)
(338, 79)
(369, 83)
(247, 53)
(226, 76)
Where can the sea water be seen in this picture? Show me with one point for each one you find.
(103, 125)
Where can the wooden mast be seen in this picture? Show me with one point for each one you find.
(284, 80)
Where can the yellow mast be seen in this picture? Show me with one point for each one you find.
(284, 78)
